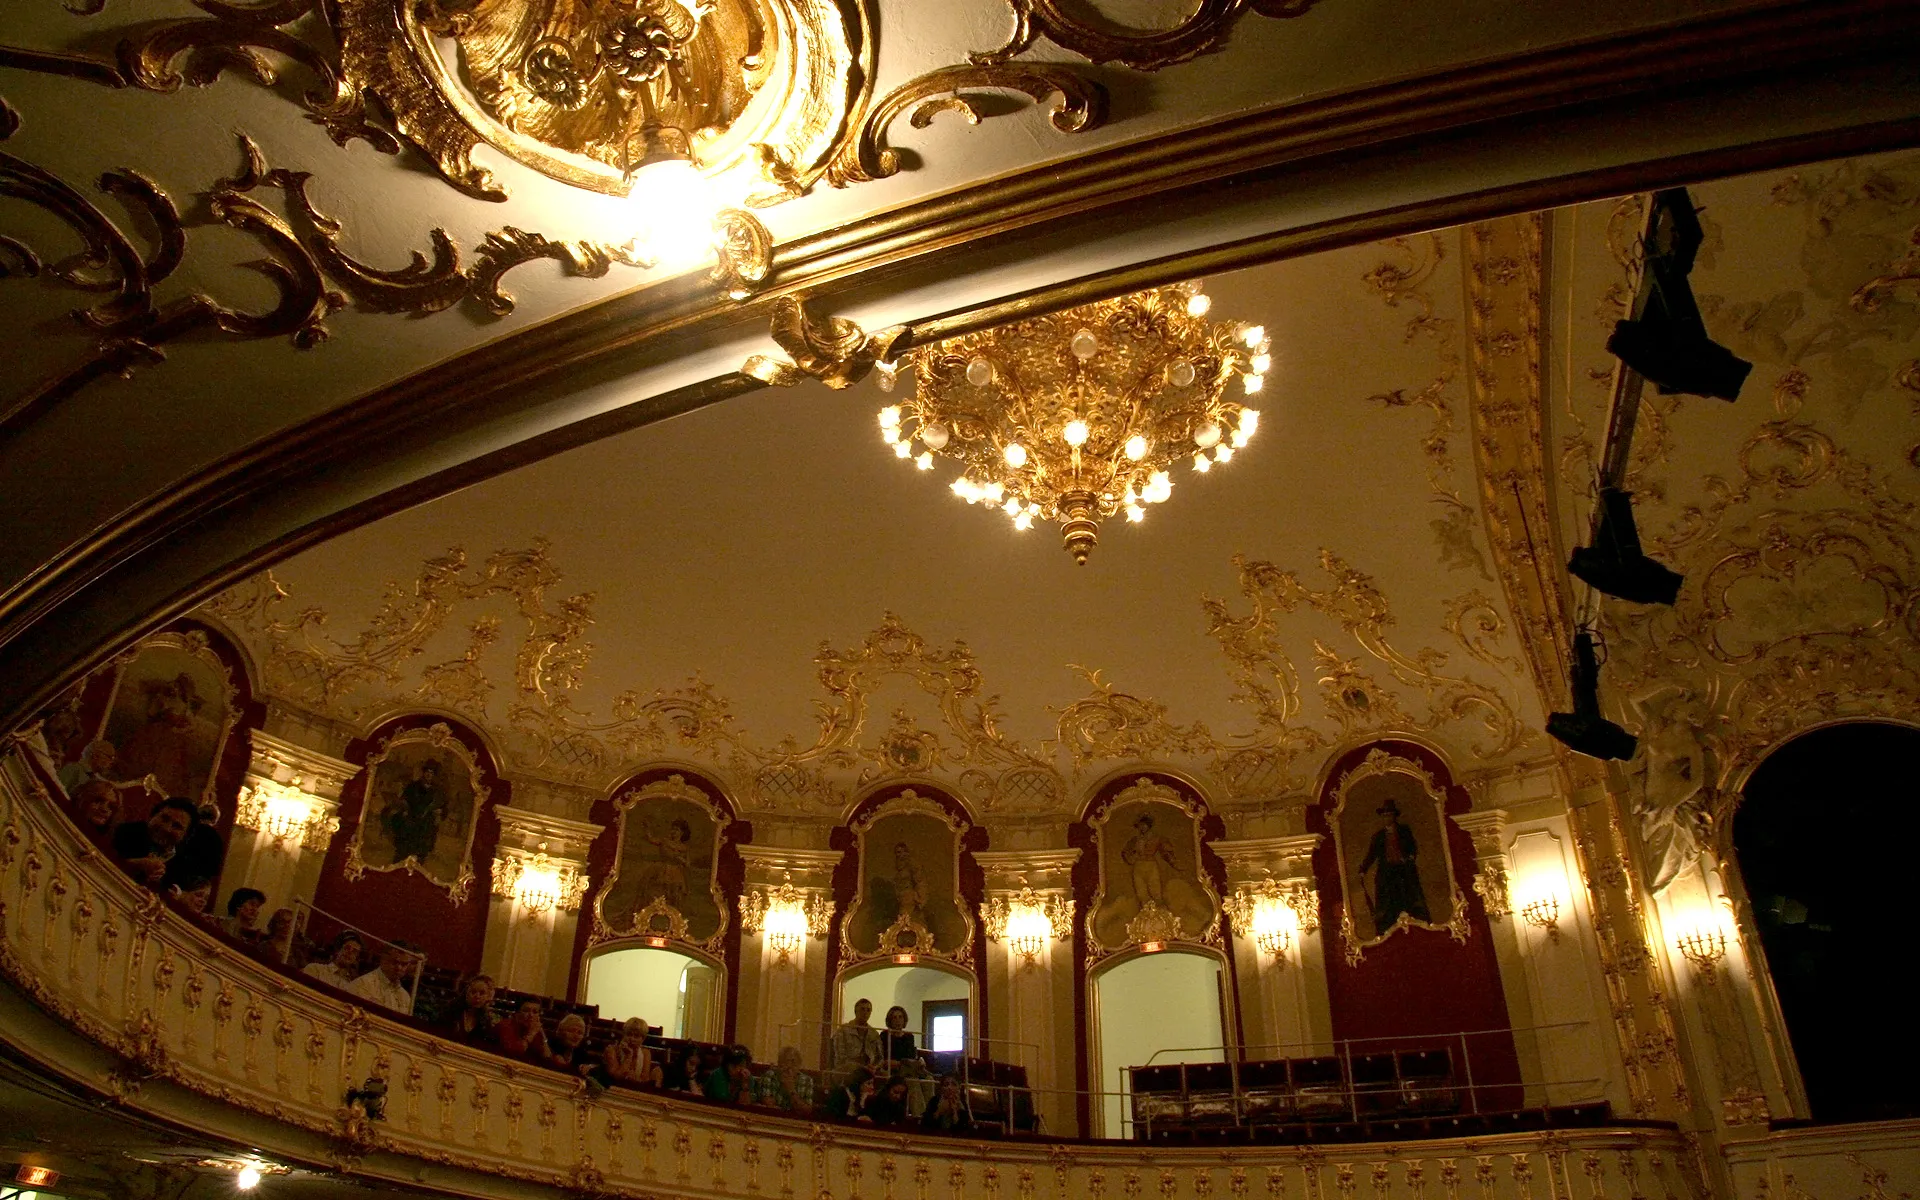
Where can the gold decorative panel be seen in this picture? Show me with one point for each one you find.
(1153, 885)
(420, 811)
(664, 881)
(1389, 828)
(908, 898)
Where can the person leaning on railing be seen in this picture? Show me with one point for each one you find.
(276, 944)
(522, 1035)
(472, 1022)
(567, 1049)
(626, 1060)
(161, 851)
(947, 1113)
(342, 965)
(385, 985)
(786, 1087)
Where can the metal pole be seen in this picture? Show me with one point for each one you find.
(1466, 1056)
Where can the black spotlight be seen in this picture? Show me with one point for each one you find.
(1614, 563)
(1584, 730)
(1665, 340)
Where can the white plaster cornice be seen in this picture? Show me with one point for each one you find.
(1280, 857)
(1041, 870)
(559, 838)
(283, 761)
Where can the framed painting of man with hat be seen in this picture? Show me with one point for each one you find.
(1389, 834)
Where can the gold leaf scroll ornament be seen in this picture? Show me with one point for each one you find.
(1202, 32)
(835, 351)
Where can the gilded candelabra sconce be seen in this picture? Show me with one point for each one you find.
(538, 884)
(785, 917)
(1079, 416)
(1703, 946)
(1027, 921)
(287, 813)
(1543, 912)
(1273, 914)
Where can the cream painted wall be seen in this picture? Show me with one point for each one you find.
(909, 987)
(1157, 1002)
(644, 983)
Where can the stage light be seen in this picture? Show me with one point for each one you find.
(1614, 564)
(1584, 730)
(1665, 340)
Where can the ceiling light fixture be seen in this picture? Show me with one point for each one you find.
(1080, 415)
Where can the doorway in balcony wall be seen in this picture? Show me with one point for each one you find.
(677, 992)
(1152, 1009)
(912, 988)
(1825, 837)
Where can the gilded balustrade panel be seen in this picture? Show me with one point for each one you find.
(176, 1005)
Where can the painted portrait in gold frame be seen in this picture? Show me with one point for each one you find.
(908, 901)
(422, 807)
(1389, 827)
(664, 881)
(174, 705)
(1152, 887)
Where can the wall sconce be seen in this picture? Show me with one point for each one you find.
(286, 813)
(1271, 914)
(538, 884)
(1703, 946)
(1543, 912)
(785, 917)
(1027, 921)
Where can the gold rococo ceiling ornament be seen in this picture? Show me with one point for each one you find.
(1080, 415)
(1201, 31)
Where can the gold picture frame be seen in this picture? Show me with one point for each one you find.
(1401, 811)
(398, 831)
(657, 914)
(176, 690)
(1167, 896)
(937, 926)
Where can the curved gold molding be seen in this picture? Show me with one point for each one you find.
(1202, 31)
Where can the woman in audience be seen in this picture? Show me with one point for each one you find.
(522, 1035)
(196, 895)
(96, 809)
(888, 1106)
(948, 1112)
(626, 1059)
(568, 1049)
(472, 1022)
(732, 1081)
(342, 966)
(849, 1099)
(786, 1087)
(896, 1044)
(243, 911)
(276, 944)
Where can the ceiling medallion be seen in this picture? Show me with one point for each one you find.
(1080, 415)
(592, 91)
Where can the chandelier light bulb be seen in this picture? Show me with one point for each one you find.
(966, 489)
(1136, 447)
(1023, 521)
(1075, 433)
(1084, 345)
(1201, 462)
(1262, 363)
(890, 417)
(1252, 382)
(887, 374)
(1241, 437)
(901, 449)
(925, 461)
(934, 436)
(1136, 513)
(1015, 454)
(1012, 507)
(1181, 374)
(1253, 335)
(1223, 453)
(994, 491)
(1159, 487)
(1208, 435)
(1249, 420)
(1198, 304)
(248, 1178)
(890, 434)
(979, 372)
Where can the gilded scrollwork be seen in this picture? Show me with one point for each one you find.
(1202, 31)
(833, 350)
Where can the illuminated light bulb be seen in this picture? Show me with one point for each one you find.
(1084, 345)
(925, 461)
(1201, 462)
(994, 491)
(1240, 439)
(1136, 448)
(1159, 487)
(678, 204)
(888, 374)
(934, 437)
(1015, 454)
(979, 372)
(1011, 507)
(1198, 304)
(1033, 509)
(1252, 382)
(964, 488)
(1249, 420)
(1262, 363)
(1223, 453)
(1181, 374)
(890, 434)
(248, 1178)
(903, 449)
(1075, 433)
(1253, 335)
(1136, 513)
(890, 417)
(1208, 435)
(1023, 521)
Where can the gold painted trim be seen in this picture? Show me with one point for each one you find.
(440, 736)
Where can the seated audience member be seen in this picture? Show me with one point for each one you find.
(386, 984)
(342, 965)
(731, 1082)
(96, 809)
(522, 1035)
(948, 1111)
(276, 944)
(786, 1087)
(94, 763)
(472, 1022)
(889, 1105)
(154, 851)
(626, 1060)
(567, 1049)
(195, 896)
(849, 1098)
(243, 914)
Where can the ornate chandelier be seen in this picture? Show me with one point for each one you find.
(1080, 415)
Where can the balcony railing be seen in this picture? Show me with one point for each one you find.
(175, 1004)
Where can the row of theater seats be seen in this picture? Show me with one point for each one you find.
(1395, 1129)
